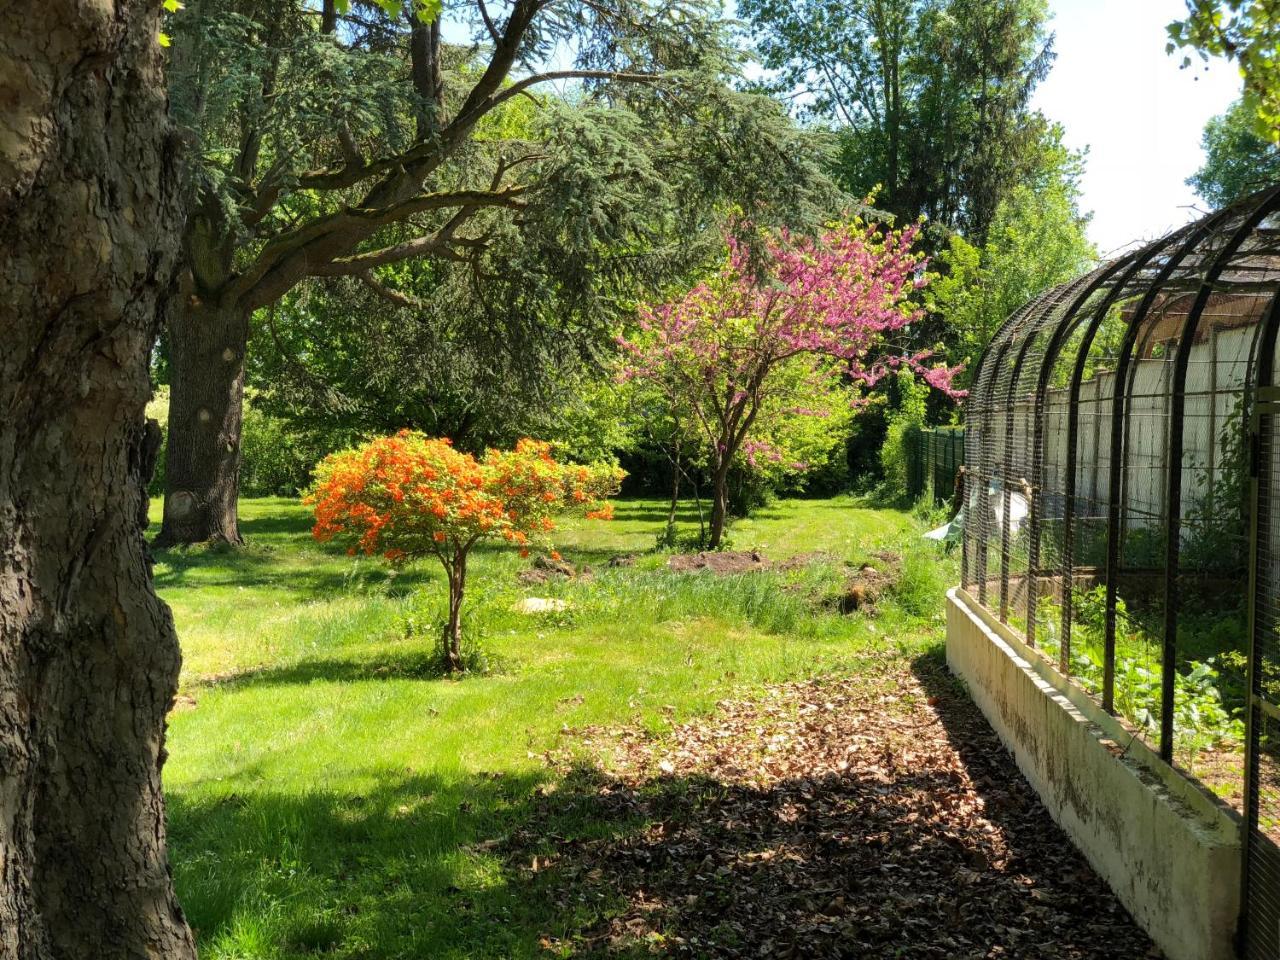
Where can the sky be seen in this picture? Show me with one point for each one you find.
(1116, 92)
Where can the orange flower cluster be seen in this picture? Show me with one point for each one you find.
(409, 495)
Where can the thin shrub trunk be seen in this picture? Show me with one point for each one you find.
(453, 627)
(88, 655)
(675, 492)
(719, 505)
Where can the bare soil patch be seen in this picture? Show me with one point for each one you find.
(802, 560)
(871, 582)
(545, 569)
(719, 562)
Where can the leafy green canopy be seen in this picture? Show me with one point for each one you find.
(1237, 159)
(1246, 31)
(464, 276)
(337, 144)
(1037, 240)
(929, 97)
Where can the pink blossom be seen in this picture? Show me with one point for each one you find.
(844, 296)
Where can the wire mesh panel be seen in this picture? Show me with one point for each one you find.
(1057, 445)
(934, 458)
(1262, 789)
(1135, 653)
(1043, 554)
(1108, 509)
(943, 455)
(1005, 477)
(986, 441)
(1209, 542)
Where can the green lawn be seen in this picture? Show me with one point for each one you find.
(330, 794)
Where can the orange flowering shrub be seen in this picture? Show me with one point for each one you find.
(409, 496)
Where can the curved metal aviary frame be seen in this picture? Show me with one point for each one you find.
(1168, 353)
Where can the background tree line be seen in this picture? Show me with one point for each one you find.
(478, 294)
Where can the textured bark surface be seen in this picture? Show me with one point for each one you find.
(206, 406)
(452, 641)
(88, 655)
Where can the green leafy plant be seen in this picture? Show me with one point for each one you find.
(1208, 686)
(1245, 31)
(905, 424)
(1215, 535)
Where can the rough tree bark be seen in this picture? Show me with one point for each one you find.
(727, 441)
(206, 408)
(88, 655)
(208, 335)
(452, 640)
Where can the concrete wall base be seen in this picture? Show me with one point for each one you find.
(1167, 849)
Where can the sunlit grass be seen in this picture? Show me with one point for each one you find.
(332, 794)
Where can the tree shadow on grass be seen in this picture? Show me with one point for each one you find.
(423, 665)
(262, 565)
(400, 870)
(921, 854)
(651, 512)
(275, 525)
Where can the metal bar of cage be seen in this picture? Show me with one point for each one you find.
(1006, 490)
(992, 360)
(982, 506)
(1138, 262)
(1196, 235)
(1175, 446)
(1173, 496)
(1030, 328)
(1044, 319)
(1259, 519)
(1062, 329)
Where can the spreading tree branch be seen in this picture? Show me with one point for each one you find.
(388, 294)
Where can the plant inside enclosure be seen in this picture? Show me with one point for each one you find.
(1208, 685)
(745, 349)
(408, 497)
(1215, 531)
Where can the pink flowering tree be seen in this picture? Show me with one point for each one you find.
(826, 309)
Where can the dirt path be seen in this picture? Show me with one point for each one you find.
(875, 816)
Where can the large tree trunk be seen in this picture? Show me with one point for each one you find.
(88, 655)
(207, 347)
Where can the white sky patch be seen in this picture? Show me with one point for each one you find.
(1117, 92)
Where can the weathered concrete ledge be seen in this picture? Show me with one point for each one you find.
(1167, 849)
